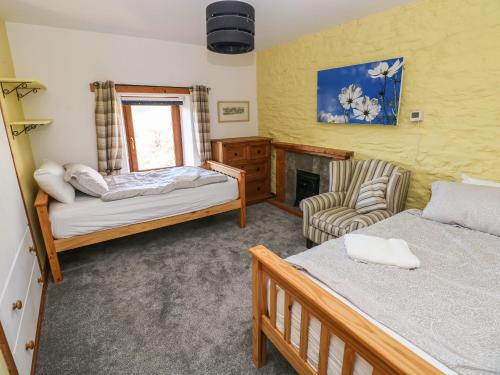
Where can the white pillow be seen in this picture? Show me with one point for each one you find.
(476, 181)
(50, 178)
(85, 179)
(471, 206)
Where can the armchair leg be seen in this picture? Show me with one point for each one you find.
(309, 243)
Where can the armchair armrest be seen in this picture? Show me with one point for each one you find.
(324, 201)
(365, 220)
(397, 190)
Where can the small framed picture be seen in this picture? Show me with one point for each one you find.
(233, 111)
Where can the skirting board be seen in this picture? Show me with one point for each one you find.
(41, 315)
(291, 210)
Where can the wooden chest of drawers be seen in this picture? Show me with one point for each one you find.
(253, 154)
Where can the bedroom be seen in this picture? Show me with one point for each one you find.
(163, 282)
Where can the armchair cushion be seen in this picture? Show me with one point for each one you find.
(371, 195)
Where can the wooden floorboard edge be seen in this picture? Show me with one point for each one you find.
(291, 210)
(41, 315)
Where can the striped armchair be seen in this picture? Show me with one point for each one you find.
(333, 214)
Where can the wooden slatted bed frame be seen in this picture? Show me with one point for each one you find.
(385, 354)
(54, 246)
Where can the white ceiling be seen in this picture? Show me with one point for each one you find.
(277, 21)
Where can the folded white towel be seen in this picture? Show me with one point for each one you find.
(371, 249)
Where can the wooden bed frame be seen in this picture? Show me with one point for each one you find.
(384, 353)
(54, 246)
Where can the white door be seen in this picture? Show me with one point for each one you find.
(19, 290)
(13, 221)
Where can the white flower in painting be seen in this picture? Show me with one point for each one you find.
(325, 117)
(348, 95)
(331, 118)
(366, 109)
(339, 119)
(383, 69)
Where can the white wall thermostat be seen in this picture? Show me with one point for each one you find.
(416, 116)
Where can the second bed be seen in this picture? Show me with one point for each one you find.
(329, 314)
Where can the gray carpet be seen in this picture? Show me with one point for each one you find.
(172, 301)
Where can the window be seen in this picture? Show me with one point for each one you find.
(153, 129)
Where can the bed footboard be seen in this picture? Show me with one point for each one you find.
(42, 209)
(360, 337)
(240, 175)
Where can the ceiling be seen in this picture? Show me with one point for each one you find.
(277, 21)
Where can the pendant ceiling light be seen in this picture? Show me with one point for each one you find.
(230, 27)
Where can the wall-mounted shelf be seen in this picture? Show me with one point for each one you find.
(28, 125)
(22, 87)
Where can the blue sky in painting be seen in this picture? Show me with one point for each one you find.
(331, 82)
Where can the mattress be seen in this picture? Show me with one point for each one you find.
(89, 214)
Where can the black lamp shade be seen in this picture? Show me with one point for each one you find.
(230, 27)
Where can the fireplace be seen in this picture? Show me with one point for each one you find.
(307, 185)
(290, 158)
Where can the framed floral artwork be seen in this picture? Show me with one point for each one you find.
(361, 94)
(233, 111)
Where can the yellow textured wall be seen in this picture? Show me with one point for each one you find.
(3, 366)
(452, 73)
(21, 146)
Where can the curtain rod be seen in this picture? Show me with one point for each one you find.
(96, 84)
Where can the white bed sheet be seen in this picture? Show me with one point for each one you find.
(88, 214)
(336, 350)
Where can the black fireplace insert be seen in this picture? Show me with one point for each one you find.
(307, 185)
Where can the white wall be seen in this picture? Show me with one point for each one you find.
(68, 60)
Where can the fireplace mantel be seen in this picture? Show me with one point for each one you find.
(314, 150)
(283, 147)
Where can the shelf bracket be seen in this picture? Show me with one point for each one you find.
(21, 88)
(6, 91)
(21, 95)
(26, 129)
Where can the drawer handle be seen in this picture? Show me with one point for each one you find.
(258, 151)
(235, 154)
(258, 189)
(18, 305)
(258, 169)
(32, 249)
(30, 345)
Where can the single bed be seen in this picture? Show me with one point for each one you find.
(89, 214)
(330, 315)
(90, 220)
